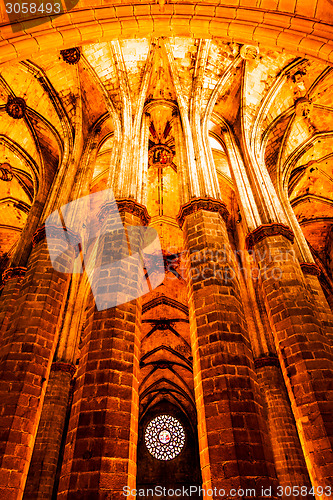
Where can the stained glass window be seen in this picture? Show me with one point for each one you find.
(165, 437)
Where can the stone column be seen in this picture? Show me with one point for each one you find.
(193, 182)
(24, 244)
(209, 185)
(11, 283)
(44, 461)
(100, 451)
(288, 454)
(302, 345)
(26, 354)
(234, 445)
(311, 273)
(185, 193)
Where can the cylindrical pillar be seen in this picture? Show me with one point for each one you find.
(11, 283)
(26, 354)
(234, 446)
(302, 345)
(287, 450)
(288, 454)
(100, 451)
(44, 461)
(311, 273)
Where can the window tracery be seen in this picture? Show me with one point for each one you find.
(165, 437)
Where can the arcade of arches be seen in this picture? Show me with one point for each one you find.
(221, 376)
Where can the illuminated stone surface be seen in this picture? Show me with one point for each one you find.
(217, 121)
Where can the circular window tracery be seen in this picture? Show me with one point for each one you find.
(165, 437)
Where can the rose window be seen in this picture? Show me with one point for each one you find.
(165, 437)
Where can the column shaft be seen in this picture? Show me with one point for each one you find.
(12, 280)
(234, 445)
(311, 273)
(302, 345)
(25, 358)
(288, 454)
(100, 451)
(44, 461)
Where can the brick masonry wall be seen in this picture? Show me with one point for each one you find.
(304, 351)
(25, 359)
(321, 304)
(44, 460)
(100, 452)
(288, 455)
(234, 445)
(9, 296)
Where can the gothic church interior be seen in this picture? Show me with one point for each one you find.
(220, 376)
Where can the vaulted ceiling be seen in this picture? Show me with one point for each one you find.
(280, 105)
(284, 102)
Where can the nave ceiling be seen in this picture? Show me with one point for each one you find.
(80, 113)
(278, 104)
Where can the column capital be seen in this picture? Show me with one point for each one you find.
(13, 272)
(310, 268)
(266, 230)
(208, 204)
(126, 205)
(56, 232)
(60, 366)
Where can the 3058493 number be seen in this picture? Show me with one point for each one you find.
(33, 8)
(303, 491)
